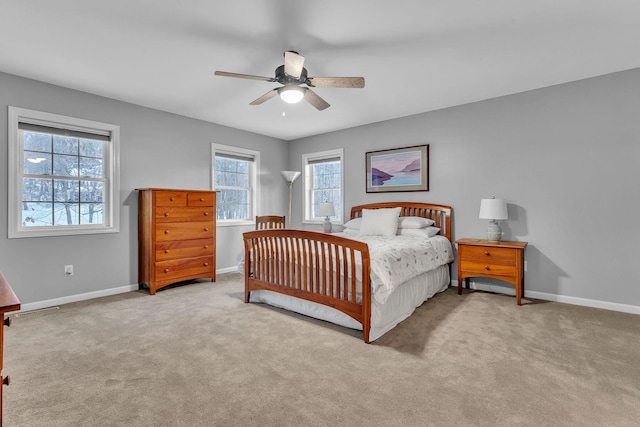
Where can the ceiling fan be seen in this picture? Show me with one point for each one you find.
(292, 75)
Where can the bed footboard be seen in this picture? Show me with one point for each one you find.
(319, 267)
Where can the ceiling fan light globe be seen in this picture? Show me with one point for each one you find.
(291, 95)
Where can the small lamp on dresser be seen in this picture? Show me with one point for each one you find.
(326, 210)
(494, 210)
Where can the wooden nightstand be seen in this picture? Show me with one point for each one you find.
(497, 260)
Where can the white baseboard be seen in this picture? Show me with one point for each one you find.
(90, 295)
(75, 298)
(624, 308)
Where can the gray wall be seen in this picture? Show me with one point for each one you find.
(157, 149)
(566, 160)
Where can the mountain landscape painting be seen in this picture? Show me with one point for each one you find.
(400, 169)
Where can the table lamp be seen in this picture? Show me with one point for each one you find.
(326, 210)
(494, 210)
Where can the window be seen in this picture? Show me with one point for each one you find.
(323, 178)
(63, 175)
(234, 178)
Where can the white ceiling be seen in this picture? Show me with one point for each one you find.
(415, 55)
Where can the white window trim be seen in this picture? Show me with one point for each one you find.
(255, 194)
(15, 167)
(306, 199)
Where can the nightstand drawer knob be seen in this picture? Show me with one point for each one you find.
(166, 251)
(166, 214)
(486, 267)
(173, 199)
(487, 253)
(166, 270)
(206, 229)
(166, 231)
(206, 214)
(206, 264)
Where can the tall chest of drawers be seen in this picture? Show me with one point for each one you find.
(176, 236)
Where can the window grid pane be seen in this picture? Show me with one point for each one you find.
(326, 178)
(62, 201)
(232, 182)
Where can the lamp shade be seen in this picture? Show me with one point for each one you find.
(326, 209)
(290, 176)
(493, 209)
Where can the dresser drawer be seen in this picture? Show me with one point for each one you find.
(171, 198)
(184, 230)
(488, 253)
(184, 249)
(190, 267)
(473, 266)
(200, 199)
(169, 214)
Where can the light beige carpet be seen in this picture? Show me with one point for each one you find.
(196, 355)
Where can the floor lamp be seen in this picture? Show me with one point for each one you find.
(290, 177)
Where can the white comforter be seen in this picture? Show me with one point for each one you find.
(394, 260)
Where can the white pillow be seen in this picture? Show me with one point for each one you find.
(426, 232)
(379, 222)
(354, 224)
(414, 222)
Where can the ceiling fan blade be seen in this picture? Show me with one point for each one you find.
(293, 64)
(314, 99)
(244, 76)
(267, 96)
(347, 82)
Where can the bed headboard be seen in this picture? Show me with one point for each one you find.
(441, 214)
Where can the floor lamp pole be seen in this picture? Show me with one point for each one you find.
(290, 192)
(290, 177)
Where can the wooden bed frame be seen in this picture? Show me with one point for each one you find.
(322, 267)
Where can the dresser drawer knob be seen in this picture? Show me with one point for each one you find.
(206, 214)
(173, 199)
(166, 270)
(486, 267)
(206, 229)
(166, 251)
(205, 264)
(206, 246)
(6, 380)
(166, 214)
(7, 322)
(202, 199)
(166, 231)
(487, 253)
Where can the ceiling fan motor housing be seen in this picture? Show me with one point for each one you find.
(285, 79)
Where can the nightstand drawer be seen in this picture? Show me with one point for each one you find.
(486, 268)
(488, 253)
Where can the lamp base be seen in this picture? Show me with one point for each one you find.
(326, 225)
(494, 233)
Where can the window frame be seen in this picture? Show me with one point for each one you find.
(253, 180)
(307, 208)
(111, 159)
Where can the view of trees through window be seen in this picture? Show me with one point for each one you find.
(232, 182)
(327, 182)
(62, 180)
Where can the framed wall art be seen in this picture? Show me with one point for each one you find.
(398, 169)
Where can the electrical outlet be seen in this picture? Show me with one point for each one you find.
(68, 270)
